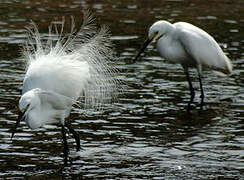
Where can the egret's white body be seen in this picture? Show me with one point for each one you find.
(64, 70)
(190, 46)
(52, 84)
(46, 107)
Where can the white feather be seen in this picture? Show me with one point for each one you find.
(75, 65)
(189, 46)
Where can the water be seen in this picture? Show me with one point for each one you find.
(147, 134)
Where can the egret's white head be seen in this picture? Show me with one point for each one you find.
(156, 31)
(28, 101)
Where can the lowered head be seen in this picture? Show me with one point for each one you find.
(26, 103)
(156, 31)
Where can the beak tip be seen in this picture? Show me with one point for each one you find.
(144, 46)
(12, 135)
(134, 60)
(21, 115)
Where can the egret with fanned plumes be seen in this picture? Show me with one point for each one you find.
(190, 46)
(64, 70)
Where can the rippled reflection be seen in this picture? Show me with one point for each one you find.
(147, 133)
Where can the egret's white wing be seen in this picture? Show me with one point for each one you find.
(75, 65)
(61, 76)
(57, 101)
(202, 47)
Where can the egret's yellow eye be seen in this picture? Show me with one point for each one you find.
(25, 108)
(153, 35)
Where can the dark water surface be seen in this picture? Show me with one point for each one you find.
(147, 134)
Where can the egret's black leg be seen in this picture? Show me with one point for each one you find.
(75, 134)
(192, 93)
(66, 148)
(202, 92)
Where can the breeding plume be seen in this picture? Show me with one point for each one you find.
(189, 46)
(64, 70)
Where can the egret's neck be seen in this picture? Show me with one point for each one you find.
(48, 107)
(34, 118)
(167, 28)
(165, 43)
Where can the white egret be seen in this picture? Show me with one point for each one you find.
(189, 46)
(63, 70)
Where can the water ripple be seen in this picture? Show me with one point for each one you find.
(148, 134)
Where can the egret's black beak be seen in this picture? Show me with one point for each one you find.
(20, 117)
(144, 46)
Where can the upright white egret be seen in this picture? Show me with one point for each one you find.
(63, 70)
(189, 46)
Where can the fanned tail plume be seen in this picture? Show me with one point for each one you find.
(88, 49)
